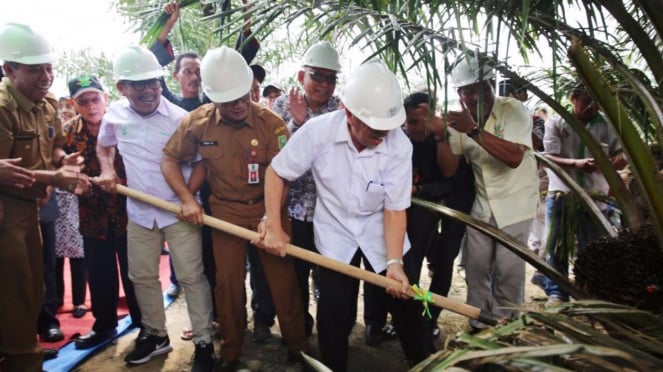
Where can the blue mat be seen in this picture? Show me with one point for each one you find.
(69, 357)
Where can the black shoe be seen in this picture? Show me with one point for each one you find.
(389, 331)
(435, 331)
(79, 311)
(373, 335)
(148, 346)
(52, 335)
(203, 360)
(93, 339)
(50, 353)
(261, 333)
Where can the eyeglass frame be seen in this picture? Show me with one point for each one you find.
(140, 85)
(319, 77)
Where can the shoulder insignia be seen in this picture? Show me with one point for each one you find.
(283, 139)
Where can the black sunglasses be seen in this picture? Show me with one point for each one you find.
(140, 86)
(320, 77)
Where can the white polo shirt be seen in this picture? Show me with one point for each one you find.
(510, 195)
(140, 141)
(353, 188)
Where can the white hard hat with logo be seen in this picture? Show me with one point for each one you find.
(225, 75)
(372, 94)
(136, 63)
(467, 72)
(20, 44)
(323, 55)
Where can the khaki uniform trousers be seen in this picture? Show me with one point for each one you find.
(22, 289)
(230, 259)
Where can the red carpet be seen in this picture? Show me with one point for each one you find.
(72, 327)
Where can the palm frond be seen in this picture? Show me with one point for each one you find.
(510, 243)
(572, 337)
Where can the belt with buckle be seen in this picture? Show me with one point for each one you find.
(247, 202)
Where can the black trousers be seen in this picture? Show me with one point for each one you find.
(421, 230)
(47, 319)
(78, 274)
(101, 258)
(441, 255)
(337, 313)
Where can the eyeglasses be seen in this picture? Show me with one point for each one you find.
(140, 86)
(319, 77)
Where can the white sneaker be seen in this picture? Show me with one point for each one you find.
(173, 290)
(554, 301)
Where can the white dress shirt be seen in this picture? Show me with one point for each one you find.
(353, 188)
(140, 141)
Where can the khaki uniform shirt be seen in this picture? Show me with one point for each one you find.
(28, 130)
(236, 157)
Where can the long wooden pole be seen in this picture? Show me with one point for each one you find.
(353, 271)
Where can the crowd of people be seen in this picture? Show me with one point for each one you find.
(331, 173)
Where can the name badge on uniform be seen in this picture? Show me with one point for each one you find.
(208, 143)
(254, 174)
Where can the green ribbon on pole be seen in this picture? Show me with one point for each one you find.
(425, 297)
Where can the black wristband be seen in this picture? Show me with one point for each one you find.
(474, 132)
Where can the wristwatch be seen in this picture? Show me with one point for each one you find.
(474, 132)
(392, 261)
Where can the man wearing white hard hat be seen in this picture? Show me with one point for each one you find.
(138, 127)
(31, 139)
(236, 139)
(317, 77)
(498, 142)
(362, 165)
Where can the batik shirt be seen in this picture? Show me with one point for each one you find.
(97, 209)
(301, 197)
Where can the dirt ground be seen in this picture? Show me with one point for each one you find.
(271, 356)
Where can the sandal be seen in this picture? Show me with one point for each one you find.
(187, 334)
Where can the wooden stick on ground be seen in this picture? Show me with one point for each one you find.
(355, 272)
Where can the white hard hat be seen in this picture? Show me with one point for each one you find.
(372, 94)
(136, 63)
(466, 72)
(323, 55)
(20, 44)
(225, 75)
